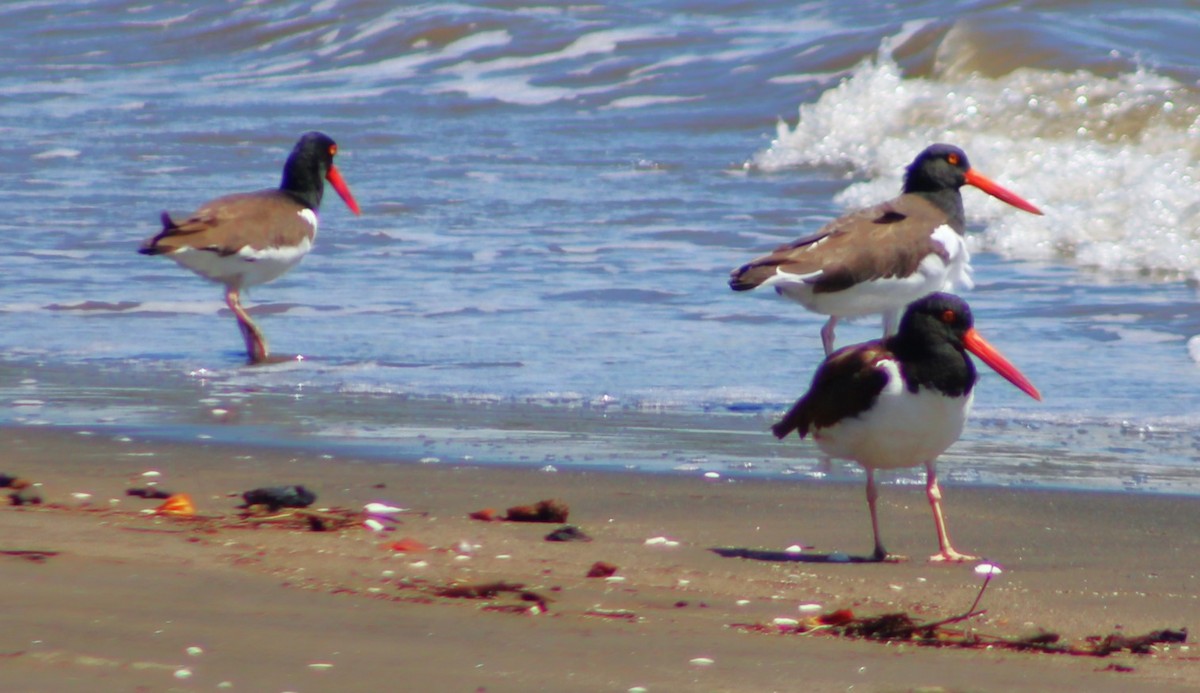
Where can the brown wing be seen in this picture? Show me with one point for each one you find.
(886, 240)
(263, 219)
(845, 385)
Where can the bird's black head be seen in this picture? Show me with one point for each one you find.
(940, 316)
(307, 167)
(930, 344)
(935, 335)
(939, 167)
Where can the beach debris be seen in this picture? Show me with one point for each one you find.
(6, 481)
(406, 545)
(613, 614)
(180, 505)
(24, 493)
(466, 548)
(148, 492)
(661, 541)
(702, 661)
(277, 497)
(901, 627)
(381, 517)
(554, 511)
(485, 515)
(530, 601)
(568, 533)
(325, 520)
(601, 569)
(382, 509)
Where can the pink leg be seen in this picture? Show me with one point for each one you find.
(946, 552)
(880, 554)
(256, 344)
(827, 335)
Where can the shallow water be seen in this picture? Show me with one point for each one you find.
(552, 200)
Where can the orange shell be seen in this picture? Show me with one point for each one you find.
(178, 504)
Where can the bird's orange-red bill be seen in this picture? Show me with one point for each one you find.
(334, 176)
(993, 358)
(999, 192)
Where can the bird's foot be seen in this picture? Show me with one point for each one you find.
(951, 556)
(883, 556)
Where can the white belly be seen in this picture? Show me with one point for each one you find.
(245, 268)
(248, 267)
(902, 429)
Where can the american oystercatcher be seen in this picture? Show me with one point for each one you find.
(252, 238)
(901, 401)
(881, 258)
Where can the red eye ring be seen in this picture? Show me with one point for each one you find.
(949, 316)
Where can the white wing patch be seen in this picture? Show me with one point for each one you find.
(311, 217)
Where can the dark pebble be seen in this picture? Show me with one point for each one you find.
(568, 533)
(276, 497)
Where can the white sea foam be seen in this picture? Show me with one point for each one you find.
(1111, 161)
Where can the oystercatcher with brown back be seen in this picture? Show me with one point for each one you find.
(901, 401)
(881, 258)
(246, 239)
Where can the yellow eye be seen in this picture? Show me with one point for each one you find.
(949, 316)
(952, 158)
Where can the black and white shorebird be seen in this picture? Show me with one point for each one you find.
(881, 258)
(901, 401)
(245, 239)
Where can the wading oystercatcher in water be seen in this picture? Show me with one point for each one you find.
(252, 238)
(881, 258)
(901, 401)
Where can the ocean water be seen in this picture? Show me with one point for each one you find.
(552, 199)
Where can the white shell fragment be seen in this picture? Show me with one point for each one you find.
(987, 569)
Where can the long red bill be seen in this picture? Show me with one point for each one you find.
(999, 192)
(335, 179)
(988, 354)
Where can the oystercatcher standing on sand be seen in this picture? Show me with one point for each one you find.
(901, 401)
(881, 258)
(252, 238)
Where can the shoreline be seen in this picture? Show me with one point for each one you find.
(341, 610)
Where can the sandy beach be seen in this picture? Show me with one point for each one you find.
(115, 599)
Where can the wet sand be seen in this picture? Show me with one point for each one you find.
(121, 596)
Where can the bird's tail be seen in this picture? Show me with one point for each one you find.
(749, 276)
(793, 420)
(151, 247)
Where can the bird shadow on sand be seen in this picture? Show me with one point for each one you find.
(797, 556)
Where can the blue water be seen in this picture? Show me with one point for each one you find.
(552, 201)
